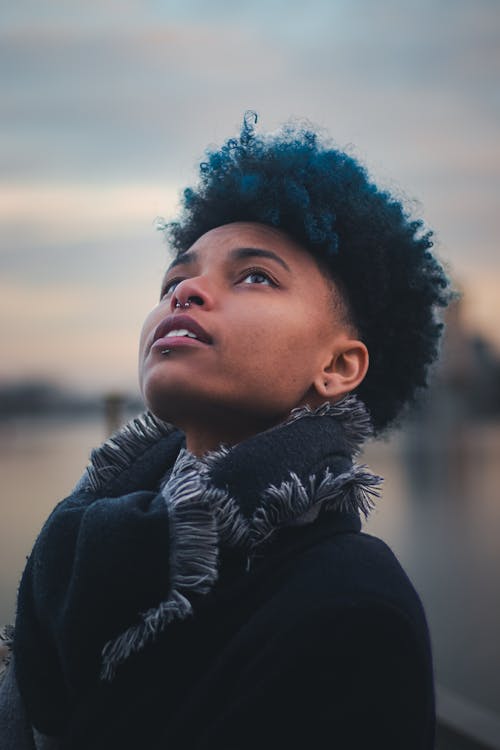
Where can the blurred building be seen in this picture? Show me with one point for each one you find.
(466, 383)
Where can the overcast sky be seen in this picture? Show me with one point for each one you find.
(107, 107)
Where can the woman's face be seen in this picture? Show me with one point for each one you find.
(265, 323)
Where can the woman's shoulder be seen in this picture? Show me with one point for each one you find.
(336, 572)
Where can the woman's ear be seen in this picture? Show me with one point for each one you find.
(344, 370)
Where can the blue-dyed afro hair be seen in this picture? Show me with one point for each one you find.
(362, 237)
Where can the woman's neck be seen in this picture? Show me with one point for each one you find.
(201, 438)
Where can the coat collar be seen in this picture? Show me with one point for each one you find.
(280, 477)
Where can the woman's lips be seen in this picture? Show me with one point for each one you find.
(191, 333)
(173, 342)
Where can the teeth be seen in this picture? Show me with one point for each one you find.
(182, 332)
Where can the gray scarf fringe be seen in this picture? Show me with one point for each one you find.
(122, 448)
(193, 559)
(6, 641)
(142, 432)
(202, 517)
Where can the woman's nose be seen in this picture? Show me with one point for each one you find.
(193, 291)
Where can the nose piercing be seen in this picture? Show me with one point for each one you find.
(186, 304)
(165, 351)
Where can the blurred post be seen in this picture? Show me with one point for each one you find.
(114, 407)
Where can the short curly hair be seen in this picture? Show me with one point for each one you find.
(362, 236)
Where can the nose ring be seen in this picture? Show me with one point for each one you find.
(186, 304)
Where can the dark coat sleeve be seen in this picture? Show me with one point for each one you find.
(16, 732)
(105, 576)
(15, 729)
(354, 677)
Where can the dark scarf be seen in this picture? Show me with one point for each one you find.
(143, 538)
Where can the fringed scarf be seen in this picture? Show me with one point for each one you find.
(139, 541)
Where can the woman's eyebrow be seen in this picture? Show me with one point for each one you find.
(238, 253)
(184, 259)
(257, 252)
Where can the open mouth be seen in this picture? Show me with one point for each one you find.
(179, 330)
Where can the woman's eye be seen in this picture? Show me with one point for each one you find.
(258, 277)
(169, 287)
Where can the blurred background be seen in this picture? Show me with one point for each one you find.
(106, 109)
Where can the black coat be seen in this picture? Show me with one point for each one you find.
(291, 629)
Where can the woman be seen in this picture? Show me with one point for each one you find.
(207, 584)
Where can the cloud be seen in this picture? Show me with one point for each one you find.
(121, 102)
(96, 236)
(64, 211)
